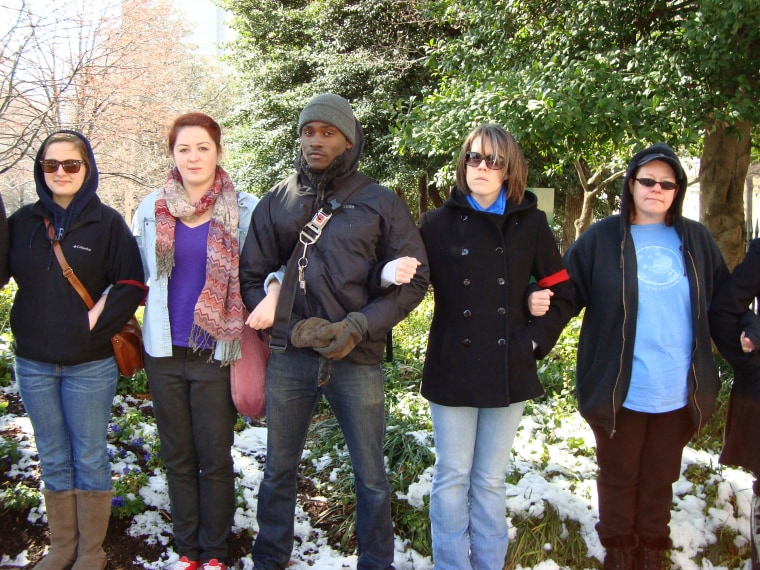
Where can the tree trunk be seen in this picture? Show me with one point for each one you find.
(435, 196)
(587, 214)
(573, 208)
(423, 193)
(722, 171)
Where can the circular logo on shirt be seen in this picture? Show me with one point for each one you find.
(659, 266)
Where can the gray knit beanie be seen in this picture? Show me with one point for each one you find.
(333, 110)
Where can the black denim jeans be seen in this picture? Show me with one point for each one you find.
(637, 469)
(195, 415)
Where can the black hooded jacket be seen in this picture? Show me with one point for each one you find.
(372, 227)
(49, 319)
(602, 267)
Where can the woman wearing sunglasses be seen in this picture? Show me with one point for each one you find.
(485, 245)
(64, 364)
(645, 375)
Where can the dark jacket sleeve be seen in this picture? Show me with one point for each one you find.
(578, 260)
(403, 239)
(125, 272)
(260, 254)
(729, 313)
(549, 272)
(4, 245)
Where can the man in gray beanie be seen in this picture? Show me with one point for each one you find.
(356, 266)
(331, 109)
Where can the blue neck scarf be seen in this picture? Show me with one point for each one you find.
(498, 207)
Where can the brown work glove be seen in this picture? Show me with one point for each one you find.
(346, 334)
(311, 333)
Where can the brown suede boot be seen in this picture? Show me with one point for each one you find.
(61, 511)
(93, 513)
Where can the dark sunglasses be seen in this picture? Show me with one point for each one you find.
(649, 183)
(69, 166)
(475, 158)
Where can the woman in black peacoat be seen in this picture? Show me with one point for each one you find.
(485, 246)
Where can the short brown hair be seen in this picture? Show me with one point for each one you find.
(504, 145)
(196, 120)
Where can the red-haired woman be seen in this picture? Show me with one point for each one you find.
(189, 232)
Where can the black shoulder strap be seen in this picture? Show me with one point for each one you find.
(278, 339)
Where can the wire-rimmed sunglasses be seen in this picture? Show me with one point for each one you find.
(475, 158)
(651, 183)
(69, 166)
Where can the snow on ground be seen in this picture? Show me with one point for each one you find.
(558, 468)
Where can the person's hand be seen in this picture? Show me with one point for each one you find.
(262, 316)
(97, 309)
(406, 269)
(747, 344)
(539, 302)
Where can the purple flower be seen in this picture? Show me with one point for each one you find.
(117, 502)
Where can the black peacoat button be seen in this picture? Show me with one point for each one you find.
(466, 282)
(500, 281)
(502, 342)
(501, 311)
(499, 250)
(467, 313)
(465, 251)
(467, 342)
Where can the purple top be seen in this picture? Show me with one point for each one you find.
(187, 280)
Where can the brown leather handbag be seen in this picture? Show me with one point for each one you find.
(127, 343)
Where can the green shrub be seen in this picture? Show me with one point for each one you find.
(137, 384)
(7, 295)
(127, 501)
(557, 370)
(9, 453)
(19, 497)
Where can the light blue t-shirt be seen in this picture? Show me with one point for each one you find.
(662, 348)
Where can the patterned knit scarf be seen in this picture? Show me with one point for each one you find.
(218, 314)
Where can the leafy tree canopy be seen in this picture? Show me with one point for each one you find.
(589, 79)
(368, 51)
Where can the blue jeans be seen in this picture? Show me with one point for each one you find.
(69, 407)
(355, 393)
(468, 497)
(195, 415)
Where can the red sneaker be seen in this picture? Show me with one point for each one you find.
(185, 564)
(214, 564)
